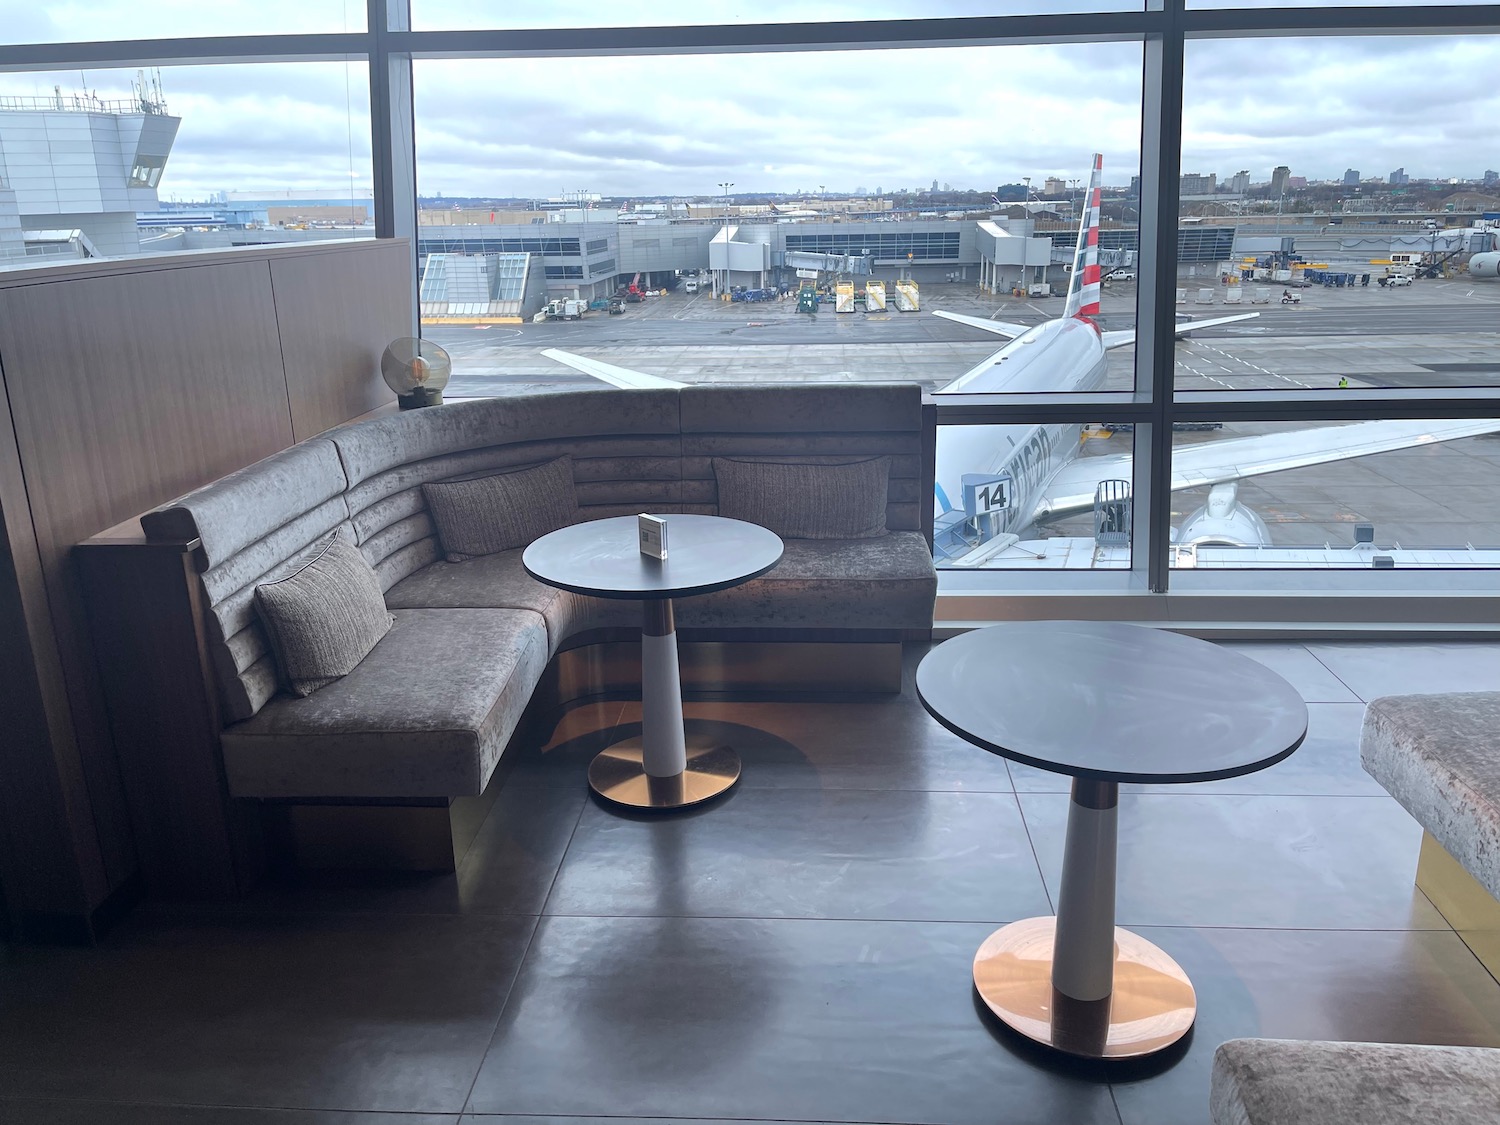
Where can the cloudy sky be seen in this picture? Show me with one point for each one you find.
(971, 117)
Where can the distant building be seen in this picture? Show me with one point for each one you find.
(1399, 178)
(1135, 188)
(1055, 185)
(1294, 183)
(1239, 183)
(1351, 177)
(1196, 183)
(934, 187)
(74, 165)
(1279, 179)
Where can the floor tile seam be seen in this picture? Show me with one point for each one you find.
(1041, 874)
(750, 787)
(224, 913)
(62, 1099)
(1437, 928)
(521, 961)
(1114, 1101)
(1322, 663)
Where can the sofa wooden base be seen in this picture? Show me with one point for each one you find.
(1464, 904)
(781, 667)
(389, 836)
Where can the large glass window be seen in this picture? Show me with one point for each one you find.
(77, 21)
(737, 205)
(114, 163)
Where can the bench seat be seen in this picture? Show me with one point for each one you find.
(499, 581)
(426, 714)
(1284, 1082)
(887, 582)
(1439, 756)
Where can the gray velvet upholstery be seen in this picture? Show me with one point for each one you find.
(235, 511)
(885, 583)
(480, 515)
(426, 714)
(1439, 756)
(419, 717)
(499, 580)
(324, 617)
(798, 500)
(1283, 1082)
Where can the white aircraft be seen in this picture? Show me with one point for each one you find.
(996, 484)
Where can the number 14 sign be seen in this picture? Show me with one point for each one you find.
(984, 493)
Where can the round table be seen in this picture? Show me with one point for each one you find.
(1104, 703)
(662, 769)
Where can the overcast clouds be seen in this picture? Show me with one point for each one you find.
(973, 117)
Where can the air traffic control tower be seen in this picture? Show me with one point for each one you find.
(74, 170)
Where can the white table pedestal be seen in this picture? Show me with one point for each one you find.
(663, 768)
(1077, 982)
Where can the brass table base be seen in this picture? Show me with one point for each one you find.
(618, 775)
(1152, 1006)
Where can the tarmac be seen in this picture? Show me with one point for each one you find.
(1435, 333)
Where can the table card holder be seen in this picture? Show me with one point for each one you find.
(653, 535)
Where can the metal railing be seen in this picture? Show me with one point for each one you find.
(83, 103)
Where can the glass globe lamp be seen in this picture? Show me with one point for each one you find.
(417, 370)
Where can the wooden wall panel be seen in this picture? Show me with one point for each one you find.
(125, 391)
(129, 382)
(335, 321)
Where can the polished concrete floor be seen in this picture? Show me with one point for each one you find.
(797, 952)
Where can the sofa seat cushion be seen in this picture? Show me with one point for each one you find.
(884, 583)
(1282, 1082)
(426, 714)
(1439, 755)
(499, 581)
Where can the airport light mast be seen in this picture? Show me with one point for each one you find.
(725, 186)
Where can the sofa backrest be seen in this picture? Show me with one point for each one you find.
(809, 422)
(633, 450)
(624, 443)
(251, 525)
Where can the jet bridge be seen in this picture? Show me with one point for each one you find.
(829, 263)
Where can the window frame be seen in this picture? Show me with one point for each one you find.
(1163, 28)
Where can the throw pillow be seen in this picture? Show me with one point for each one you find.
(324, 618)
(484, 514)
(798, 500)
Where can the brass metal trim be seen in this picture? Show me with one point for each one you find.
(657, 617)
(619, 775)
(1153, 1004)
(1093, 794)
(1463, 902)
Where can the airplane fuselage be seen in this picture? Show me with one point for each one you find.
(1058, 356)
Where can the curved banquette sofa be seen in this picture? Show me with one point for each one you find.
(424, 718)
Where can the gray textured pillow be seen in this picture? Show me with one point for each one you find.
(798, 500)
(501, 511)
(325, 618)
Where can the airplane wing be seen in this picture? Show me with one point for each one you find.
(1126, 337)
(1215, 462)
(608, 372)
(998, 327)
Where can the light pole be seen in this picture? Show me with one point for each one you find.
(724, 186)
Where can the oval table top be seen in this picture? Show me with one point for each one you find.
(1111, 701)
(603, 557)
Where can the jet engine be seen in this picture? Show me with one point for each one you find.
(1223, 522)
(1485, 265)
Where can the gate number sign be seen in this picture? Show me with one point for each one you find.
(984, 494)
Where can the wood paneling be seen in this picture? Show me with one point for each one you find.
(335, 322)
(130, 382)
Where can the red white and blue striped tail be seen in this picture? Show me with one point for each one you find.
(1083, 284)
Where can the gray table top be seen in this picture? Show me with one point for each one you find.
(1112, 702)
(603, 557)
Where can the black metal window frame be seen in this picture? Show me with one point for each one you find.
(1162, 27)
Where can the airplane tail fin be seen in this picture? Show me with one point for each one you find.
(1083, 283)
